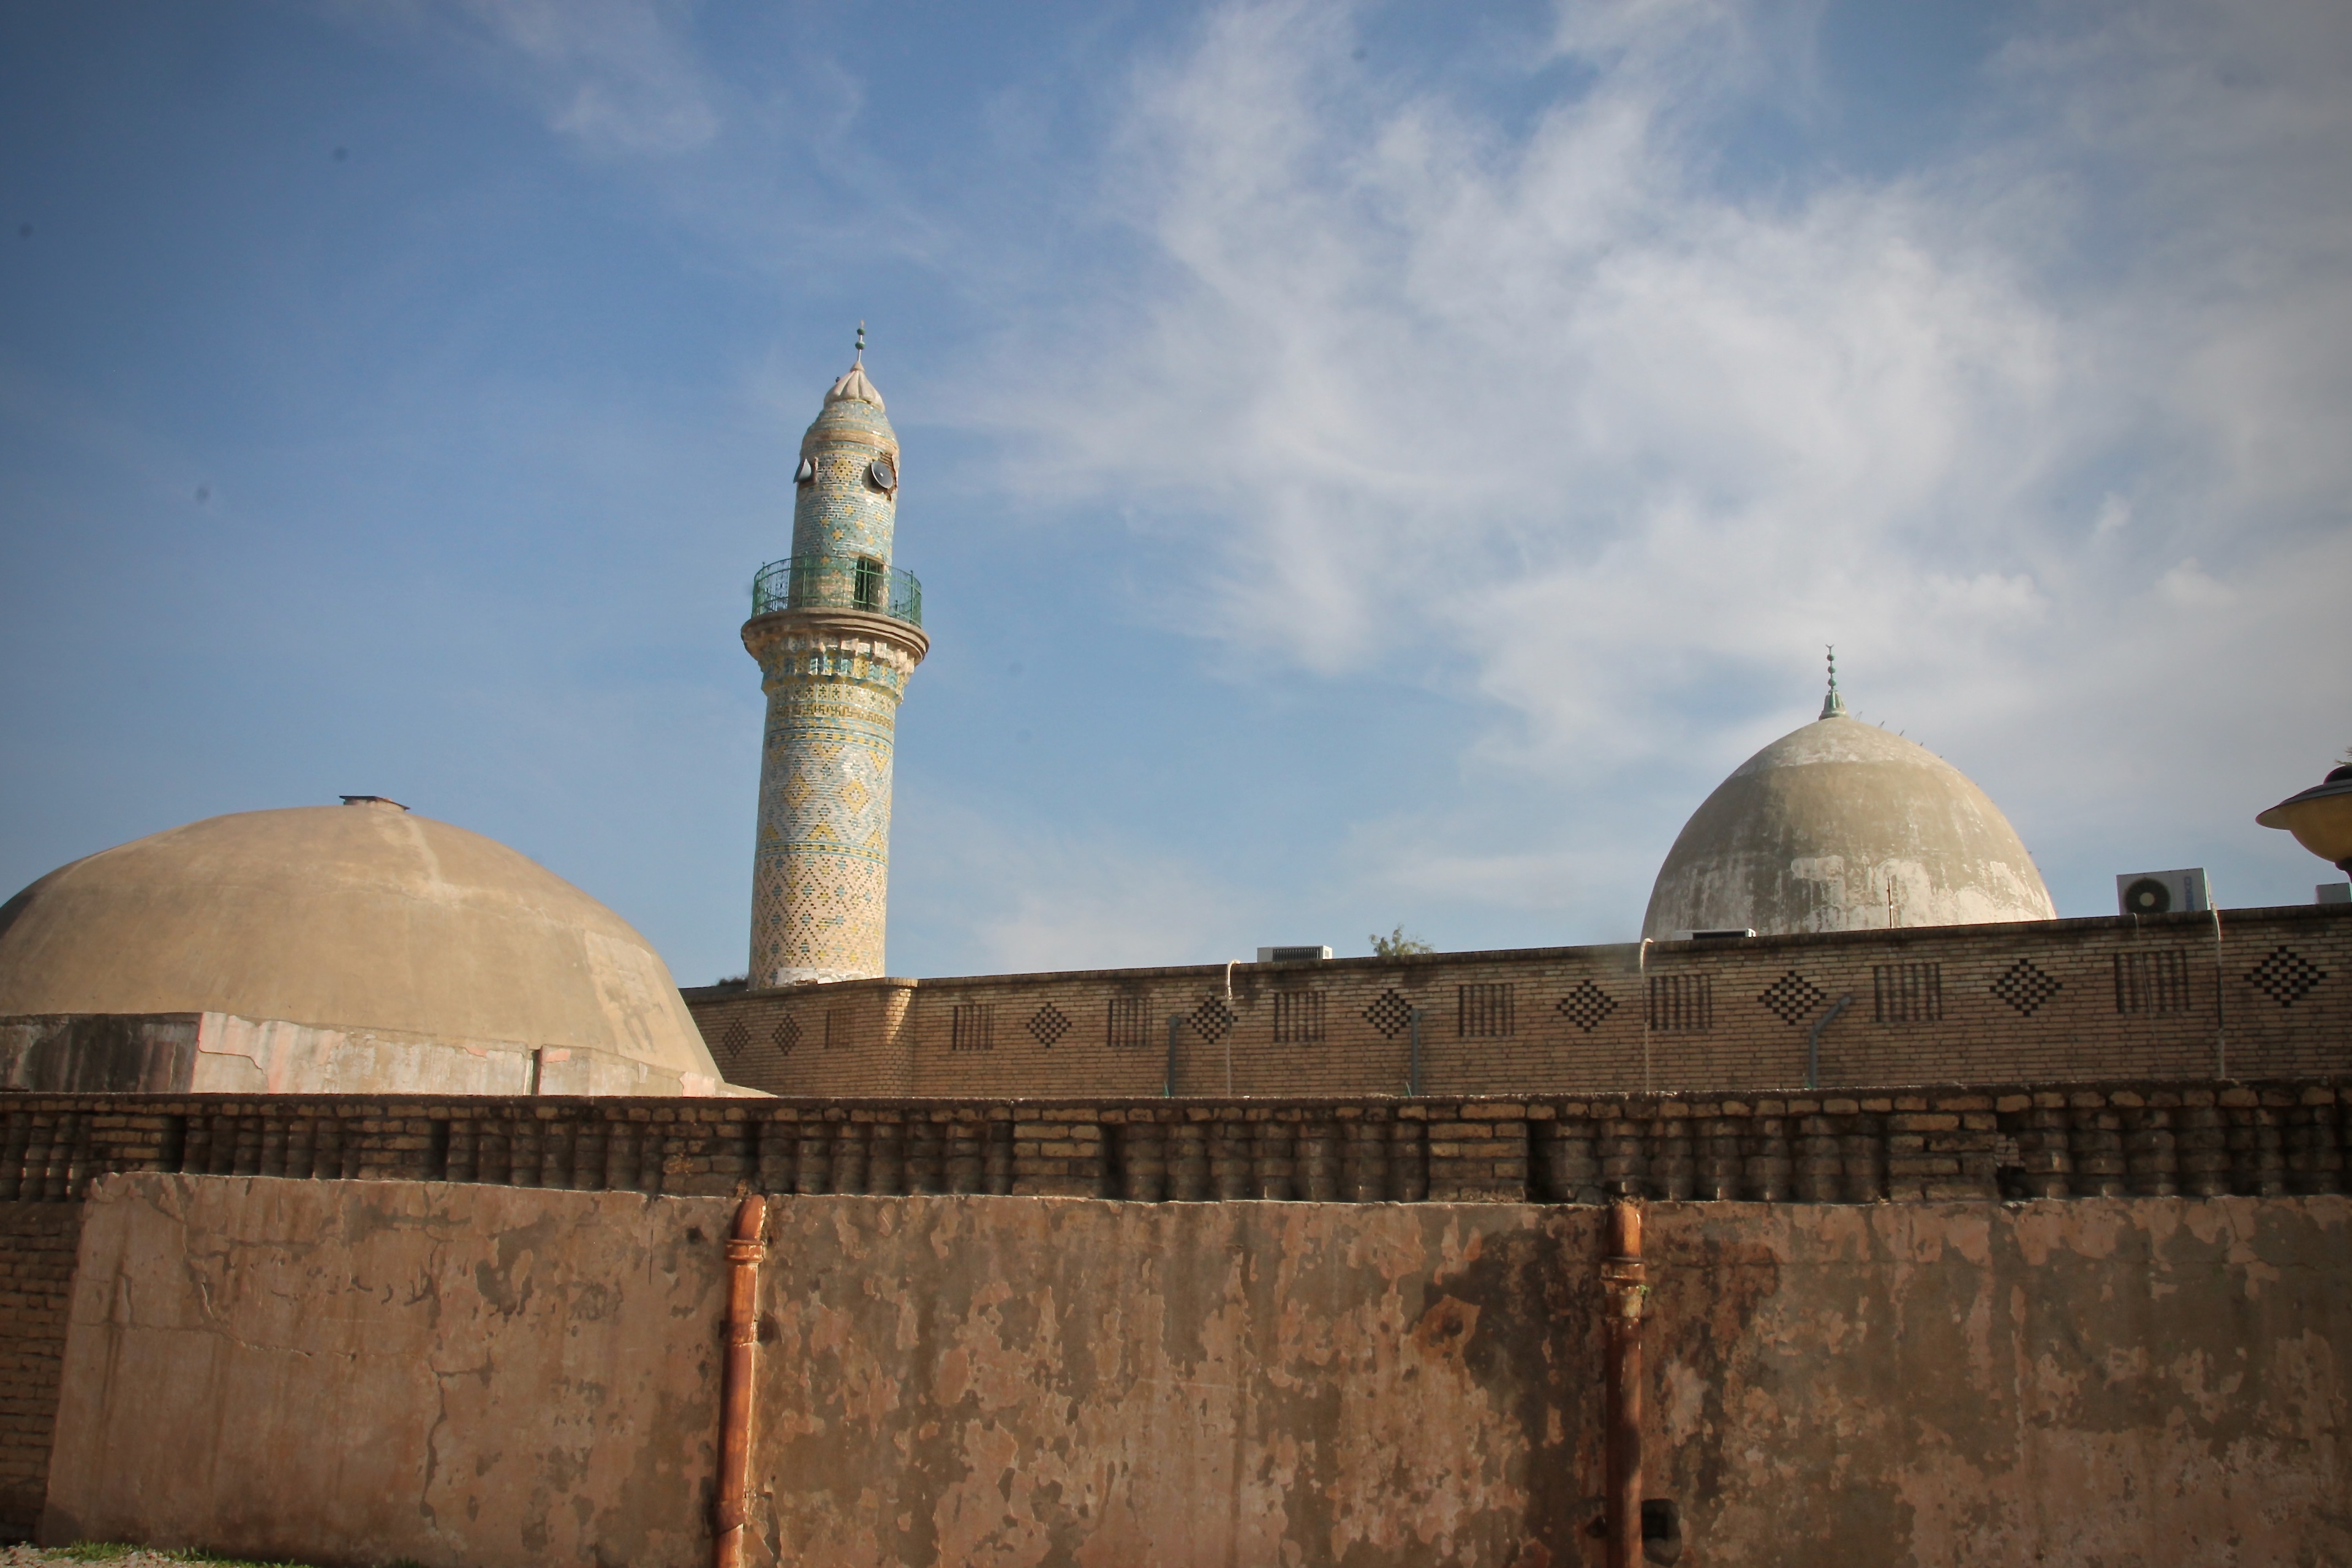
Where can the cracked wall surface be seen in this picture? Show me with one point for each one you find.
(356, 1372)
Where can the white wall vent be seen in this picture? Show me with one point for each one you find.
(2162, 892)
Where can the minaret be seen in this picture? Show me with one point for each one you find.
(837, 632)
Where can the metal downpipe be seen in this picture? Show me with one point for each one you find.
(1624, 1287)
(745, 1248)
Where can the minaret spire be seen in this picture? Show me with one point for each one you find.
(1833, 706)
(836, 630)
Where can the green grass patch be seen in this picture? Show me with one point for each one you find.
(115, 1551)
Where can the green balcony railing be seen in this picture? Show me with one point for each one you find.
(837, 583)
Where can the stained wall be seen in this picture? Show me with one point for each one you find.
(362, 1371)
(36, 1270)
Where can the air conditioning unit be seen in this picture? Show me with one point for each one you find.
(2162, 892)
(2333, 893)
(1292, 954)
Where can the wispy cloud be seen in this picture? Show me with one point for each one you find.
(1569, 404)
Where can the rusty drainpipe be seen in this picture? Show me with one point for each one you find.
(1621, 1278)
(745, 1250)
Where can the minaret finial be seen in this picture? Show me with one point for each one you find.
(1833, 706)
(861, 342)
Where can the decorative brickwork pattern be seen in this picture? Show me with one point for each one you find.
(1682, 1004)
(1212, 1020)
(1791, 998)
(1128, 1024)
(1924, 1010)
(786, 1035)
(1484, 1010)
(2025, 987)
(1390, 1013)
(1048, 1024)
(2286, 977)
(1298, 1017)
(1906, 993)
(973, 1027)
(1588, 1006)
(2152, 982)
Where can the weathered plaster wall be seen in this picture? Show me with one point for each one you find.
(355, 1372)
(362, 1371)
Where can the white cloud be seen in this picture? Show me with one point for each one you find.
(1563, 409)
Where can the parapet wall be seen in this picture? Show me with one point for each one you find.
(352, 1372)
(2154, 1138)
(2248, 992)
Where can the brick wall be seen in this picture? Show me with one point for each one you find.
(2153, 1138)
(36, 1268)
(1909, 1144)
(2059, 1000)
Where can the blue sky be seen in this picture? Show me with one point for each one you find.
(1366, 464)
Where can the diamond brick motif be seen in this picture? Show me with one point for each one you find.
(1791, 997)
(787, 1034)
(1213, 1020)
(2286, 977)
(736, 1040)
(1587, 1005)
(1048, 1025)
(1389, 1012)
(2025, 987)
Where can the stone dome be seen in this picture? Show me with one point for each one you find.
(352, 948)
(1842, 826)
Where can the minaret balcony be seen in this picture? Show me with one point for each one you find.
(838, 582)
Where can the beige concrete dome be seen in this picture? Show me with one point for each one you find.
(343, 949)
(1842, 826)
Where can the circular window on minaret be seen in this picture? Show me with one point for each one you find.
(881, 475)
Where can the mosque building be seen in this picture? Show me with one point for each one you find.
(362, 949)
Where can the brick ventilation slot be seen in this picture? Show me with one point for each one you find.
(1212, 1020)
(1587, 1005)
(1682, 1004)
(1298, 1018)
(2286, 977)
(1906, 993)
(1389, 1012)
(1048, 1024)
(2152, 982)
(1129, 1024)
(1483, 1011)
(2024, 986)
(972, 1027)
(1791, 997)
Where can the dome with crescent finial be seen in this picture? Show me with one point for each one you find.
(1838, 826)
